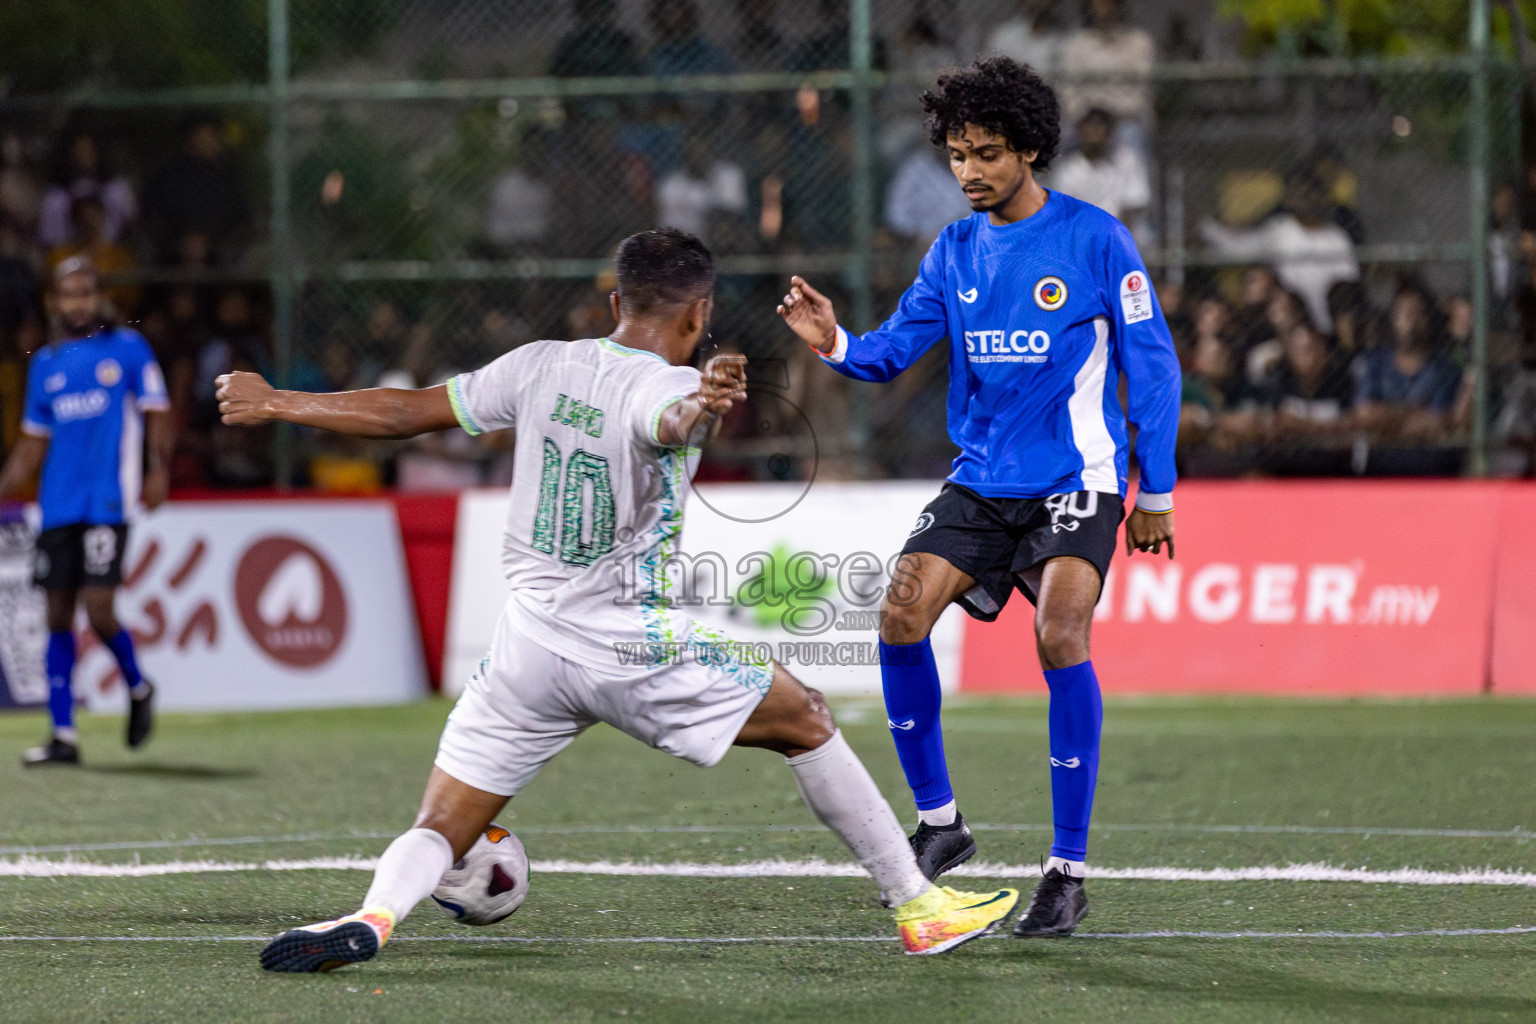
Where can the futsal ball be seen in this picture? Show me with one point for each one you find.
(489, 883)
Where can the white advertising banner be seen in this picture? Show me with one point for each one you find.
(796, 569)
(264, 605)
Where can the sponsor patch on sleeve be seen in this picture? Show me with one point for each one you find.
(1135, 297)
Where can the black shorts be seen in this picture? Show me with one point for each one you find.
(80, 555)
(999, 541)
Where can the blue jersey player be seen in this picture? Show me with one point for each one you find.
(92, 396)
(1045, 304)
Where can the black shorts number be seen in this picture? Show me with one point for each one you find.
(998, 541)
(80, 555)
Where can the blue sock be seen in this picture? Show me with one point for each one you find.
(61, 667)
(1076, 717)
(910, 680)
(121, 647)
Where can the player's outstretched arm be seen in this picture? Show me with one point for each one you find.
(688, 422)
(809, 314)
(247, 400)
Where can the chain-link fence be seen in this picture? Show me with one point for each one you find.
(343, 192)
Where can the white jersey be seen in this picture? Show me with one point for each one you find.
(597, 500)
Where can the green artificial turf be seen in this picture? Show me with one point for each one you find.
(1184, 783)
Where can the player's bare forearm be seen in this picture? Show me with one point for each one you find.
(810, 315)
(160, 436)
(689, 421)
(22, 465)
(247, 400)
(1149, 531)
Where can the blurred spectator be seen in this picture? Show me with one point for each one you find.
(1283, 313)
(521, 201)
(195, 204)
(1173, 298)
(88, 217)
(82, 173)
(702, 190)
(1342, 187)
(1250, 321)
(596, 46)
(19, 287)
(759, 44)
(416, 363)
(21, 194)
(1354, 321)
(1457, 313)
(236, 341)
(817, 198)
(601, 192)
(1505, 271)
(921, 49)
(923, 196)
(1106, 173)
(1212, 380)
(1120, 57)
(1309, 251)
(1214, 388)
(1031, 36)
(681, 48)
(592, 317)
(1407, 390)
(1311, 389)
(826, 45)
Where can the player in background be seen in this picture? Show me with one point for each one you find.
(93, 396)
(605, 430)
(1045, 304)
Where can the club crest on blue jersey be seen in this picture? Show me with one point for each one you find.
(1050, 293)
(108, 372)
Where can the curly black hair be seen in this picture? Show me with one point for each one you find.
(1002, 96)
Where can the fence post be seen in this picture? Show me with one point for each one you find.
(860, 58)
(281, 270)
(1477, 194)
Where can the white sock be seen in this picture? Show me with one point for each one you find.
(939, 816)
(1075, 868)
(67, 734)
(408, 872)
(835, 785)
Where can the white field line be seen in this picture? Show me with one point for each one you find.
(1519, 833)
(34, 867)
(744, 939)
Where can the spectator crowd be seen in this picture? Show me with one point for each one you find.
(1297, 359)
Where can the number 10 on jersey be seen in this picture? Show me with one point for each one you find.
(585, 507)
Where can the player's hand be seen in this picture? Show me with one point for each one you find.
(809, 314)
(724, 383)
(1149, 531)
(244, 399)
(157, 487)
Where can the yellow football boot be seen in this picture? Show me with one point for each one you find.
(942, 918)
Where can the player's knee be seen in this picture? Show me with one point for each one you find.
(813, 726)
(1060, 641)
(903, 623)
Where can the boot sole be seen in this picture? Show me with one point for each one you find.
(954, 861)
(301, 951)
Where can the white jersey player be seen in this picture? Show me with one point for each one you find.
(604, 429)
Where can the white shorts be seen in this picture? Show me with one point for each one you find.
(525, 704)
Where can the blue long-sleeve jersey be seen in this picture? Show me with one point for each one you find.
(1042, 317)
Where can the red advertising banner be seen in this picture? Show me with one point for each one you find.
(1306, 588)
(1514, 593)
